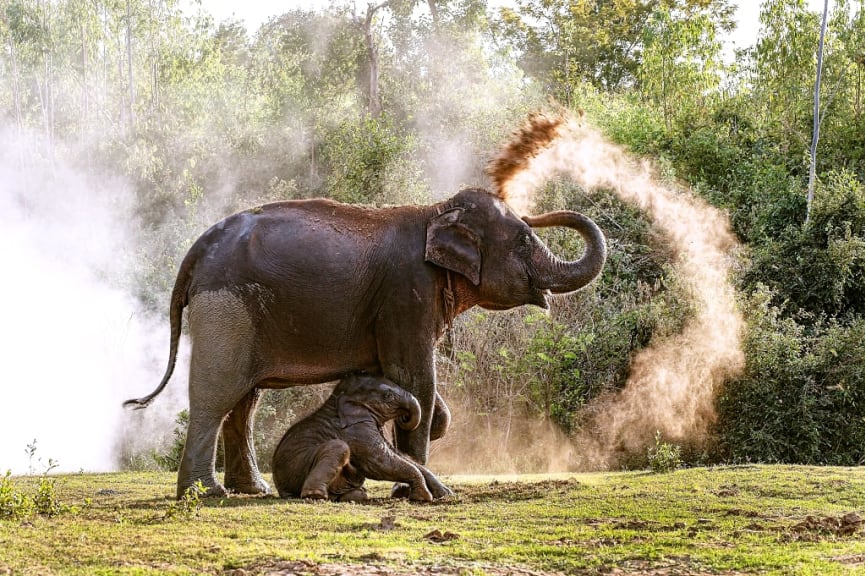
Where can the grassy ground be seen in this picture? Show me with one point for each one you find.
(766, 519)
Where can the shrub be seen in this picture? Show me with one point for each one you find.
(371, 161)
(664, 456)
(818, 267)
(801, 398)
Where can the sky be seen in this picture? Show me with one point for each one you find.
(256, 12)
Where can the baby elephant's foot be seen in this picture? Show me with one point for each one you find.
(441, 491)
(400, 490)
(355, 495)
(314, 493)
(420, 494)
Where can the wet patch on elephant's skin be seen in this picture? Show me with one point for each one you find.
(256, 298)
(222, 345)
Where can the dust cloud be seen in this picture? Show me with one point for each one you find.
(74, 342)
(673, 382)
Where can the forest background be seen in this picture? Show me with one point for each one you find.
(129, 126)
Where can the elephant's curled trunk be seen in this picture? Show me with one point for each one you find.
(410, 418)
(560, 276)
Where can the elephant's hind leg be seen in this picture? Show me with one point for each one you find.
(241, 469)
(222, 337)
(330, 460)
(199, 454)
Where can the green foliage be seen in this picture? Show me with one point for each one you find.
(802, 394)
(564, 43)
(370, 160)
(40, 499)
(664, 456)
(819, 267)
(188, 505)
(681, 60)
(14, 504)
(169, 459)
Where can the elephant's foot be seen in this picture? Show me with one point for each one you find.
(400, 490)
(419, 493)
(207, 488)
(314, 493)
(255, 485)
(356, 495)
(441, 491)
(437, 489)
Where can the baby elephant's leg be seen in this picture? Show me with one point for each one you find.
(393, 466)
(435, 486)
(348, 485)
(330, 459)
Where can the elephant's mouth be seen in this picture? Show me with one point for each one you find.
(543, 300)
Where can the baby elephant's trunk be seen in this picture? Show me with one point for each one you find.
(410, 419)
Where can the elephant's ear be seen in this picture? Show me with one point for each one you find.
(454, 246)
(352, 412)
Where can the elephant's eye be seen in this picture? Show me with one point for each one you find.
(525, 243)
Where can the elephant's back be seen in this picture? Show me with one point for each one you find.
(288, 241)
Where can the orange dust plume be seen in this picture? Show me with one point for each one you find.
(673, 382)
(516, 156)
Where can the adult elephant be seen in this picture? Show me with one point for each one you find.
(309, 291)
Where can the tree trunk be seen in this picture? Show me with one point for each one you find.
(131, 110)
(16, 87)
(812, 171)
(372, 97)
(434, 11)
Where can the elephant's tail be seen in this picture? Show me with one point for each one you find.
(175, 313)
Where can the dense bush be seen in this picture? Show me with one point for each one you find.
(802, 395)
(818, 267)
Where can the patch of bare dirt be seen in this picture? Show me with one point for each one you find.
(673, 567)
(517, 491)
(815, 528)
(302, 568)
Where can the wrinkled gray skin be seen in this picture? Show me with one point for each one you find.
(331, 452)
(309, 291)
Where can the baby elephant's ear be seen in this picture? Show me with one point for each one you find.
(351, 411)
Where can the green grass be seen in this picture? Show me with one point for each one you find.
(766, 519)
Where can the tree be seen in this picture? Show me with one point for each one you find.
(602, 42)
(812, 170)
(681, 62)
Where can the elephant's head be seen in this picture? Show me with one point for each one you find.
(479, 237)
(362, 398)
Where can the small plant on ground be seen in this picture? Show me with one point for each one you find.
(188, 505)
(14, 504)
(664, 456)
(18, 504)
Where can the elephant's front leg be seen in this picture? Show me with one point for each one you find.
(241, 468)
(380, 462)
(416, 375)
(435, 485)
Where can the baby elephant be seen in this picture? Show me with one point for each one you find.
(332, 451)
